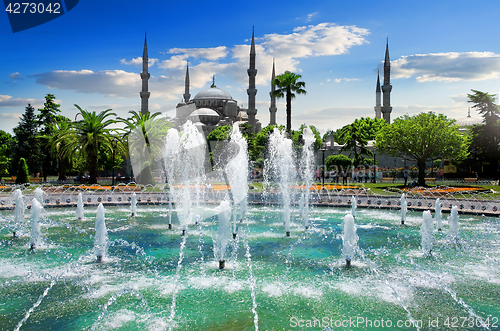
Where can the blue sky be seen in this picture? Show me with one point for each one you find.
(90, 56)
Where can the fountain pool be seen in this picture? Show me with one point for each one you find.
(271, 282)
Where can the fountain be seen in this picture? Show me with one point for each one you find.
(224, 215)
(36, 210)
(353, 206)
(453, 223)
(349, 239)
(101, 234)
(426, 233)
(306, 164)
(404, 208)
(38, 195)
(438, 216)
(19, 210)
(184, 160)
(133, 204)
(79, 207)
(236, 170)
(280, 167)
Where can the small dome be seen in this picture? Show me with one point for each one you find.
(243, 115)
(205, 116)
(469, 121)
(204, 112)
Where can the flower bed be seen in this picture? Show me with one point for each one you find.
(441, 190)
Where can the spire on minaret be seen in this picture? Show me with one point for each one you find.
(186, 94)
(145, 77)
(386, 88)
(252, 91)
(378, 106)
(272, 108)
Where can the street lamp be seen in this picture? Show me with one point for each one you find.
(113, 144)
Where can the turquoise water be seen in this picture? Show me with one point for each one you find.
(279, 283)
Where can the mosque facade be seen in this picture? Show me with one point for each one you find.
(213, 107)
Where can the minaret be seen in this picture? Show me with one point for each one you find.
(386, 88)
(273, 108)
(378, 96)
(252, 91)
(186, 94)
(145, 77)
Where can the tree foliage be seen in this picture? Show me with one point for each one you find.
(90, 136)
(339, 160)
(23, 175)
(298, 136)
(288, 85)
(484, 103)
(47, 118)
(7, 143)
(28, 146)
(485, 145)
(56, 145)
(355, 136)
(423, 137)
(146, 137)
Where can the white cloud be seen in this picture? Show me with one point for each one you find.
(15, 75)
(339, 80)
(212, 53)
(325, 39)
(11, 116)
(448, 67)
(310, 16)
(314, 40)
(182, 54)
(8, 101)
(138, 61)
(108, 82)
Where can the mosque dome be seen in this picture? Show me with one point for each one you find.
(212, 98)
(213, 93)
(468, 121)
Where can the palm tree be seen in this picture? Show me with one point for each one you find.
(56, 145)
(288, 84)
(91, 136)
(146, 134)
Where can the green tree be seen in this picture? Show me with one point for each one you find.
(486, 137)
(340, 160)
(355, 136)
(327, 134)
(145, 135)
(46, 120)
(215, 141)
(288, 85)
(23, 175)
(56, 142)
(7, 144)
(298, 138)
(484, 103)
(423, 137)
(257, 151)
(28, 146)
(90, 136)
